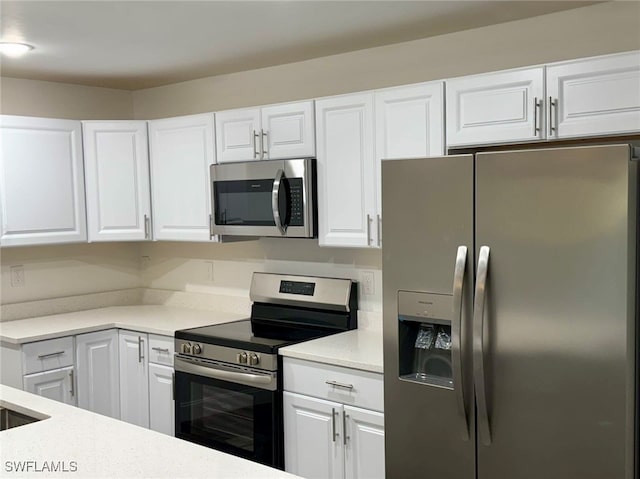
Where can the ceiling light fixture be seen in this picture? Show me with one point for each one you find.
(12, 49)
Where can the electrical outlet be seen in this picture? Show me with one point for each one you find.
(367, 279)
(209, 265)
(17, 276)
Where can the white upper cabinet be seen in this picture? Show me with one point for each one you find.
(271, 132)
(182, 149)
(117, 180)
(288, 131)
(409, 124)
(596, 96)
(503, 107)
(346, 171)
(410, 121)
(238, 135)
(41, 181)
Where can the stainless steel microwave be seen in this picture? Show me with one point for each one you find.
(265, 198)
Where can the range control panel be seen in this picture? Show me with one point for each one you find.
(228, 355)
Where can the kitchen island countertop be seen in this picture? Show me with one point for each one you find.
(99, 446)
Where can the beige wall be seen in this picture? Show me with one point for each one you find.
(598, 29)
(62, 100)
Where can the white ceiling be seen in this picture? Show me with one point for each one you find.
(140, 44)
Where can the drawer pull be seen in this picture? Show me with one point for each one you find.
(50, 355)
(340, 385)
(161, 350)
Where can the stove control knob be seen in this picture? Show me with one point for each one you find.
(242, 358)
(186, 348)
(197, 349)
(254, 359)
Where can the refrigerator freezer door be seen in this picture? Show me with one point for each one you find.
(558, 358)
(428, 211)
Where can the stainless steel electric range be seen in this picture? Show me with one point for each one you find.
(228, 381)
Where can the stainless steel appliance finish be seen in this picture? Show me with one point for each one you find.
(265, 198)
(228, 381)
(546, 353)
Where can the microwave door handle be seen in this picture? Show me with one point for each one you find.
(275, 197)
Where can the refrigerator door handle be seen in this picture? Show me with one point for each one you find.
(478, 346)
(456, 330)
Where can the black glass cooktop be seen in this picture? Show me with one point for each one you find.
(237, 334)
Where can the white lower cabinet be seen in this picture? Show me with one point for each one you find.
(327, 432)
(57, 384)
(313, 437)
(146, 380)
(161, 401)
(364, 450)
(134, 378)
(97, 371)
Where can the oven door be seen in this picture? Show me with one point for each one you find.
(264, 198)
(235, 410)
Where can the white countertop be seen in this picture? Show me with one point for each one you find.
(163, 320)
(358, 349)
(104, 447)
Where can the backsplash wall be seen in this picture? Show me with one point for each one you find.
(227, 268)
(67, 270)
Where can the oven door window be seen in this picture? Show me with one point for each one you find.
(227, 416)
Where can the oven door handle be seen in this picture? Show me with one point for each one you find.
(262, 381)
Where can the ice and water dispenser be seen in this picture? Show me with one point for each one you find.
(424, 335)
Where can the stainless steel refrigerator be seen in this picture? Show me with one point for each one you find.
(510, 314)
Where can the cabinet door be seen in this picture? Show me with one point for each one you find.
(288, 131)
(134, 378)
(98, 374)
(238, 135)
(598, 96)
(364, 450)
(181, 152)
(57, 385)
(41, 181)
(346, 170)
(313, 444)
(410, 121)
(117, 180)
(161, 401)
(496, 107)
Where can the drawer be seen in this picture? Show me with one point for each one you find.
(334, 383)
(161, 349)
(45, 355)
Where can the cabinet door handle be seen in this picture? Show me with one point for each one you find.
(73, 388)
(368, 229)
(379, 226)
(344, 428)
(210, 226)
(255, 144)
(140, 343)
(264, 143)
(333, 423)
(173, 386)
(536, 110)
(146, 227)
(339, 385)
(161, 350)
(552, 104)
(50, 355)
